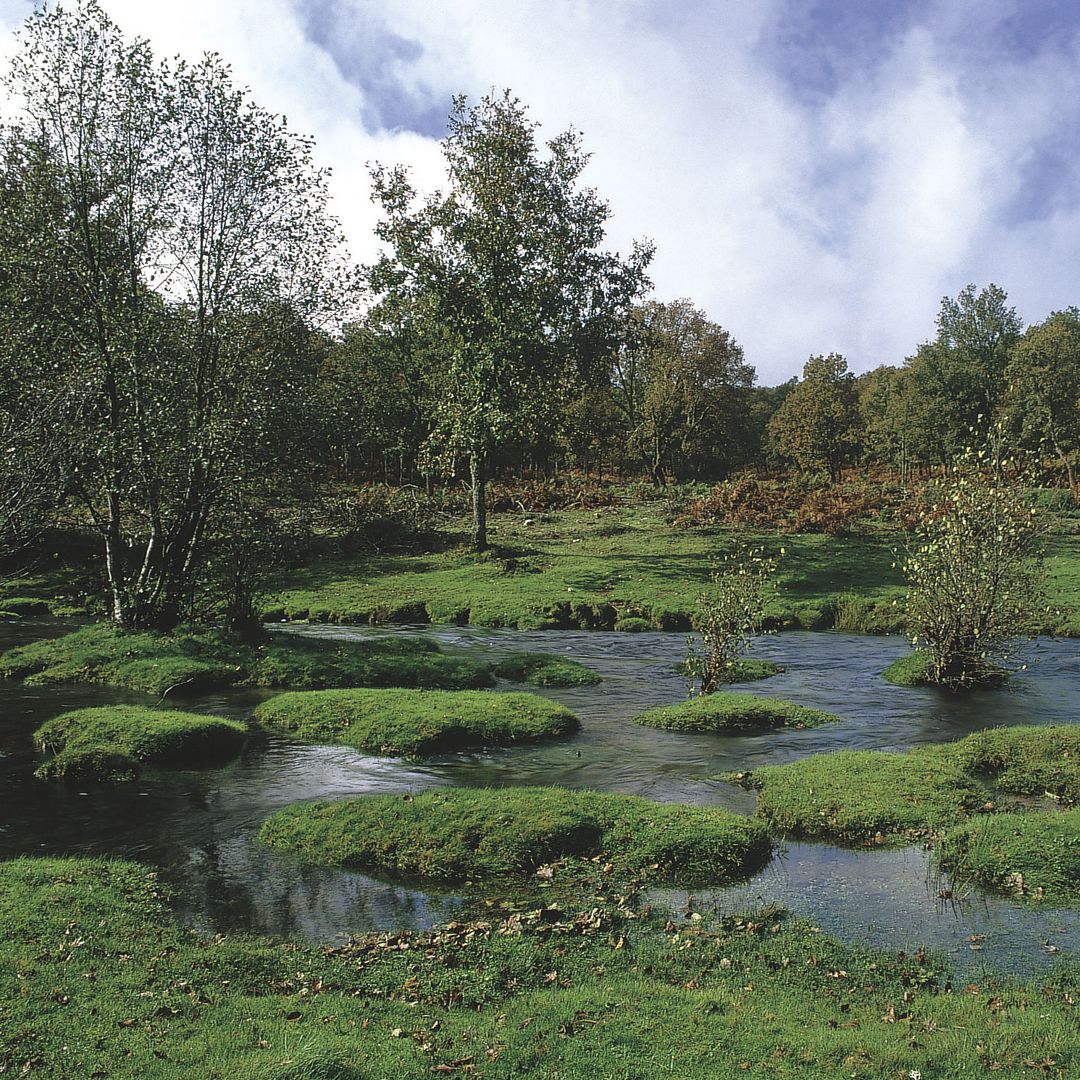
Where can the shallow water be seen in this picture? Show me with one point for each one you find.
(199, 826)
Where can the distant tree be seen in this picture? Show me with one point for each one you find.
(958, 380)
(892, 420)
(506, 272)
(682, 384)
(170, 245)
(818, 426)
(974, 574)
(1043, 399)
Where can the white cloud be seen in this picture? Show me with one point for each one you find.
(802, 224)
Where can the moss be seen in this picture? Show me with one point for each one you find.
(415, 723)
(632, 624)
(201, 659)
(1035, 856)
(728, 711)
(540, 669)
(470, 833)
(113, 742)
(856, 795)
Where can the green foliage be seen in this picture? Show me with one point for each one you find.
(974, 574)
(818, 425)
(469, 833)
(733, 712)
(195, 660)
(728, 616)
(519, 994)
(416, 723)
(1029, 855)
(112, 742)
(860, 795)
(539, 669)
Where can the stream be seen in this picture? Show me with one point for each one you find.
(198, 827)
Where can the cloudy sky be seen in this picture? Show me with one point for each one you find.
(815, 175)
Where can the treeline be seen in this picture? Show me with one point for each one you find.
(678, 401)
(187, 352)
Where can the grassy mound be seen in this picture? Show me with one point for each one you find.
(467, 833)
(863, 794)
(22, 607)
(540, 669)
(914, 670)
(1036, 856)
(196, 660)
(739, 671)
(97, 980)
(112, 742)
(415, 723)
(733, 712)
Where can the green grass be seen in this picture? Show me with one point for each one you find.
(859, 795)
(416, 723)
(96, 980)
(114, 741)
(461, 834)
(1030, 855)
(597, 570)
(915, 670)
(22, 607)
(729, 711)
(192, 661)
(540, 669)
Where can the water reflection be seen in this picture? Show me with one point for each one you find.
(200, 826)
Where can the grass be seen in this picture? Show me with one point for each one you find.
(416, 723)
(96, 980)
(1030, 855)
(191, 661)
(540, 669)
(859, 795)
(462, 834)
(113, 742)
(728, 711)
(915, 670)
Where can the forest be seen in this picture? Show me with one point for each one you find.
(457, 663)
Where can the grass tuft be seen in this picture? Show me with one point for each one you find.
(112, 742)
(540, 669)
(468, 833)
(416, 723)
(728, 711)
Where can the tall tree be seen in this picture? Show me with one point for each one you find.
(1043, 399)
(182, 247)
(818, 425)
(683, 385)
(506, 271)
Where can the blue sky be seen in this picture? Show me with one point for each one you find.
(815, 175)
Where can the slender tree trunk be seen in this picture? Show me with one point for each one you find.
(478, 475)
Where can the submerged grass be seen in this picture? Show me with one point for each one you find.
(856, 795)
(113, 742)
(540, 669)
(1030, 855)
(415, 723)
(729, 711)
(469, 833)
(191, 661)
(97, 980)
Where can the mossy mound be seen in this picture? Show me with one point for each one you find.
(114, 741)
(1034, 856)
(632, 624)
(855, 795)
(740, 671)
(416, 723)
(191, 661)
(729, 711)
(541, 669)
(460, 834)
(22, 607)
(915, 670)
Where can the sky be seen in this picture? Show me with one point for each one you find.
(815, 176)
